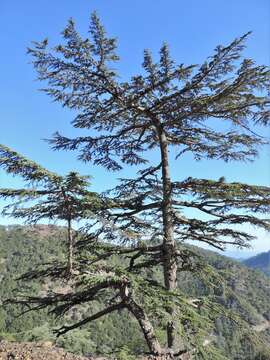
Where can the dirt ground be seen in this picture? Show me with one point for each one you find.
(47, 351)
(36, 351)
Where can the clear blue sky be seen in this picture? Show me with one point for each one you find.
(192, 28)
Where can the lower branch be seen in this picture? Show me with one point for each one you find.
(145, 325)
(64, 329)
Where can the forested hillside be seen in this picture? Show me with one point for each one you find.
(260, 262)
(245, 291)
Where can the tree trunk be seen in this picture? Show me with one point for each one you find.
(70, 248)
(169, 245)
(146, 326)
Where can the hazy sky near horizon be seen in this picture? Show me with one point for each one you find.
(192, 28)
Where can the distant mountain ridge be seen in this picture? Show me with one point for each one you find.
(260, 262)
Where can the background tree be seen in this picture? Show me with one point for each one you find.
(207, 110)
(50, 196)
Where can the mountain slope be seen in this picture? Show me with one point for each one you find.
(260, 262)
(248, 296)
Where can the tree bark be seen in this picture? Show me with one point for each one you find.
(169, 245)
(146, 326)
(67, 207)
(140, 315)
(70, 248)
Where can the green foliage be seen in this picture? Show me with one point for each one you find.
(78, 341)
(7, 337)
(244, 291)
(125, 354)
(16, 164)
(41, 333)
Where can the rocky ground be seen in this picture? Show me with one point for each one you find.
(45, 351)
(36, 351)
